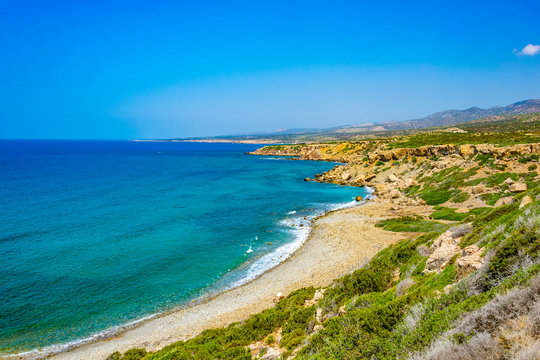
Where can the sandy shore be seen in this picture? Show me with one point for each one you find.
(339, 242)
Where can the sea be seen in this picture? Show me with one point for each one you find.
(96, 236)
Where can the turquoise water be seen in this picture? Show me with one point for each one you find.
(94, 235)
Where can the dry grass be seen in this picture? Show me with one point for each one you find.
(508, 327)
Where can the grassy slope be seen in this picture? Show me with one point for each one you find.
(390, 309)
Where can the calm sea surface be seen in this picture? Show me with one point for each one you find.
(97, 234)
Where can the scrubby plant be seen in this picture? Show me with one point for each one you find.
(410, 224)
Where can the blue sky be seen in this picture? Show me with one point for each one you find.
(118, 70)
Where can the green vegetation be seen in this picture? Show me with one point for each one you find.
(410, 224)
(498, 178)
(396, 306)
(372, 314)
(448, 214)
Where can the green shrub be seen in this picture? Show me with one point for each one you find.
(114, 356)
(448, 214)
(498, 178)
(461, 197)
(433, 196)
(270, 340)
(134, 354)
(410, 224)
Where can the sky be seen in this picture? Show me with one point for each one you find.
(159, 69)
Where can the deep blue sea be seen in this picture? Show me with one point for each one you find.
(98, 234)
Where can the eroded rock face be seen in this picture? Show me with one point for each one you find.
(320, 151)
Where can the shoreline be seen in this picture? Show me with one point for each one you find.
(339, 242)
(53, 351)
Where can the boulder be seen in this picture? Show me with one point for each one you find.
(394, 194)
(479, 189)
(525, 201)
(316, 297)
(518, 187)
(279, 296)
(392, 178)
(319, 314)
(504, 201)
(469, 261)
(271, 354)
(410, 182)
(317, 328)
(443, 249)
(345, 176)
(370, 177)
(508, 181)
(359, 198)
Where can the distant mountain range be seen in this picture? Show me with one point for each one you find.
(451, 117)
(439, 119)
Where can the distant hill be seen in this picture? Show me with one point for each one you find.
(439, 119)
(450, 117)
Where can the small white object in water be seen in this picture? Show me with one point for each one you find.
(250, 250)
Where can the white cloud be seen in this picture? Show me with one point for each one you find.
(529, 50)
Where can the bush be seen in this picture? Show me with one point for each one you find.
(270, 339)
(498, 178)
(404, 285)
(134, 354)
(461, 230)
(461, 197)
(410, 224)
(448, 214)
(433, 196)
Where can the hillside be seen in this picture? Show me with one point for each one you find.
(462, 283)
(356, 132)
